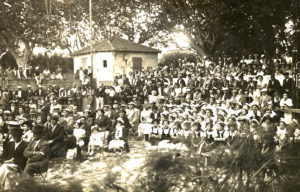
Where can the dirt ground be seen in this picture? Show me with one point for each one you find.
(125, 167)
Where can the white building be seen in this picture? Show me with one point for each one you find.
(115, 56)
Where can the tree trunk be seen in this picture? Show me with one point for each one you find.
(23, 58)
(21, 61)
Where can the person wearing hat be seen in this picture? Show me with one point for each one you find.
(114, 114)
(28, 93)
(264, 98)
(119, 137)
(288, 84)
(55, 106)
(19, 94)
(220, 134)
(65, 114)
(70, 104)
(145, 118)
(12, 158)
(133, 115)
(37, 152)
(55, 137)
(254, 112)
(104, 124)
(12, 108)
(22, 113)
(39, 93)
(281, 137)
(107, 110)
(273, 85)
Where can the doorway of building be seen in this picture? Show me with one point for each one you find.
(137, 63)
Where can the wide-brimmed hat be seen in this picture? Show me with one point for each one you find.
(131, 103)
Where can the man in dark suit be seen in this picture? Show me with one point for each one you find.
(104, 123)
(12, 158)
(55, 137)
(29, 93)
(288, 85)
(273, 85)
(13, 150)
(19, 94)
(37, 152)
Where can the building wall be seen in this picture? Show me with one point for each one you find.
(117, 64)
(124, 64)
(101, 73)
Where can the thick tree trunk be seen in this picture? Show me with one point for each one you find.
(22, 58)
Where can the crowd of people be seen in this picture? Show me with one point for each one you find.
(28, 72)
(207, 100)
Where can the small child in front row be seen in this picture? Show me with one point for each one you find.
(96, 140)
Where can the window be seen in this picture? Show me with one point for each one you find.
(104, 63)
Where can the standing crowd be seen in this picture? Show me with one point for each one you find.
(208, 100)
(29, 72)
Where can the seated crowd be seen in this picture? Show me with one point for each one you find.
(210, 101)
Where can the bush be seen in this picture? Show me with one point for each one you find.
(52, 62)
(171, 58)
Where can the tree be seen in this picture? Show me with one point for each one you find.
(135, 19)
(27, 24)
(215, 26)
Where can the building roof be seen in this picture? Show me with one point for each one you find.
(114, 44)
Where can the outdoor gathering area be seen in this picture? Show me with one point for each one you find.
(151, 96)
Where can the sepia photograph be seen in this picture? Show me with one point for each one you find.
(149, 95)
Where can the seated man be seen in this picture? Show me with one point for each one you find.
(37, 153)
(12, 157)
(55, 137)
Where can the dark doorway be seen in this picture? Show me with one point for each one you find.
(137, 63)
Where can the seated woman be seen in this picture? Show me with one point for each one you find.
(120, 137)
(37, 152)
(12, 157)
(28, 135)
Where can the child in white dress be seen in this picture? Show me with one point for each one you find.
(96, 140)
(79, 133)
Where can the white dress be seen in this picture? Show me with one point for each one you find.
(97, 139)
(79, 134)
(117, 143)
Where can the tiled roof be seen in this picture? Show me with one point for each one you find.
(116, 44)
